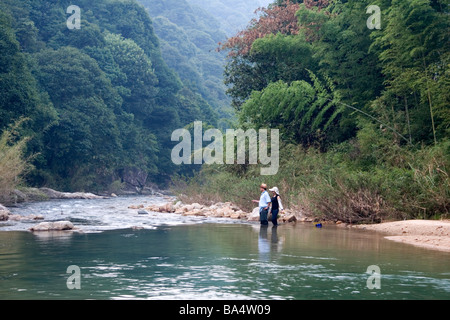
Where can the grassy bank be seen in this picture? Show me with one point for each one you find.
(13, 163)
(355, 182)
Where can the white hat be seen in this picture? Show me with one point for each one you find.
(275, 189)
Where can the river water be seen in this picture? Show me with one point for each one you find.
(169, 256)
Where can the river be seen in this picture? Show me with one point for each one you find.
(123, 255)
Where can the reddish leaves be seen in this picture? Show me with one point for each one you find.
(315, 3)
(272, 20)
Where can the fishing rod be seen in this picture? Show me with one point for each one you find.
(368, 115)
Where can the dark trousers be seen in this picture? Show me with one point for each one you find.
(263, 213)
(275, 217)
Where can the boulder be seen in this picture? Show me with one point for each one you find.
(18, 217)
(194, 212)
(19, 196)
(218, 213)
(15, 217)
(178, 205)
(227, 212)
(136, 206)
(4, 213)
(290, 218)
(53, 194)
(4, 216)
(53, 226)
(179, 211)
(168, 207)
(153, 208)
(254, 216)
(219, 209)
(197, 206)
(238, 215)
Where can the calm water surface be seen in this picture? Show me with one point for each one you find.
(175, 257)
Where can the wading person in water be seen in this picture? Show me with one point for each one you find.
(276, 205)
(264, 202)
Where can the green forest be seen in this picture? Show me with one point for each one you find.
(98, 104)
(363, 111)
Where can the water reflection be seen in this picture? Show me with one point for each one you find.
(53, 236)
(218, 261)
(268, 244)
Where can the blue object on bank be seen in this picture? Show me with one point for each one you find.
(319, 225)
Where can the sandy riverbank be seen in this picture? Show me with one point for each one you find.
(430, 234)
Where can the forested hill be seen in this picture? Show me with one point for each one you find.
(101, 102)
(189, 31)
(189, 38)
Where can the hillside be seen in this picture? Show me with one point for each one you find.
(101, 102)
(189, 38)
(190, 32)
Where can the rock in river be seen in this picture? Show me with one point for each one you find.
(52, 226)
(4, 213)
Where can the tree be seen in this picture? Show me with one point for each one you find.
(304, 113)
(273, 47)
(86, 134)
(20, 96)
(273, 20)
(101, 99)
(14, 163)
(414, 52)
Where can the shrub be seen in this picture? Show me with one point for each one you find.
(13, 164)
(341, 184)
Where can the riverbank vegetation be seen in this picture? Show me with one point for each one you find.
(13, 163)
(342, 184)
(363, 113)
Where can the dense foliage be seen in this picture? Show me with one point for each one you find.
(398, 74)
(13, 163)
(101, 100)
(363, 113)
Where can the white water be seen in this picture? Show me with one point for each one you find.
(102, 214)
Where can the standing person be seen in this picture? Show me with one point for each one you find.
(276, 205)
(264, 202)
